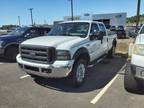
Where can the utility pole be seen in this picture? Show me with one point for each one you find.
(31, 9)
(138, 15)
(72, 10)
(72, 17)
(19, 21)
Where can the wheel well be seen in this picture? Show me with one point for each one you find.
(82, 54)
(115, 42)
(10, 46)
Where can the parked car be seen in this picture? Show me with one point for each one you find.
(3, 32)
(134, 74)
(67, 51)
(9, 43)
(113, 28)
(121, 33)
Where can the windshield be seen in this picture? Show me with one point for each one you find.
(18, 31)
(79, 29)
(142, 30)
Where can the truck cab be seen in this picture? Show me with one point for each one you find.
(67, 50)
(9, 43)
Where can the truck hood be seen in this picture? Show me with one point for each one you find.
(140, 39)
(54, 41)
(7, 36)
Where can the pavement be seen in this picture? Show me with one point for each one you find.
(103, 88)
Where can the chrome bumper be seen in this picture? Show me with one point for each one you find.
(56, 70)
(137, 71)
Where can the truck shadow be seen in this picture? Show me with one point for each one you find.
(3, 60)
(98, 76)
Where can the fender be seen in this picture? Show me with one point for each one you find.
(10, 44)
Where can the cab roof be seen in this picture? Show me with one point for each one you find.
(88, 21)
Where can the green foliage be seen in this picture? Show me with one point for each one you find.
(8, 27)
(133, 19)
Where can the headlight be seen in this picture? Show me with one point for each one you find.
(1, 42)
(63, 55)
(138, 49)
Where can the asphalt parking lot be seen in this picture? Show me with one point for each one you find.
(102, 89)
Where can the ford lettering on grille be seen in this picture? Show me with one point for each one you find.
(32, 53)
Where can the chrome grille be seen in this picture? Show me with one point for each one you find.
(37, 54)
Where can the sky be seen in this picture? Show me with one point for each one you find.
(47, 11)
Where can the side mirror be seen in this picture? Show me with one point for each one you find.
(99, 35)
(92, 36)
(96, 35)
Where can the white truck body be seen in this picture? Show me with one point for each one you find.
(134, 77)
(74, 45)
(138, 60)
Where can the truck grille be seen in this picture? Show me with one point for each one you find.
(38, 54)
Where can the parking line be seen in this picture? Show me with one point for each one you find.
(103, 91)
(25, 76)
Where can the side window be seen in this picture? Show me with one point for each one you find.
(34, 32)
(94, 28)
(102, 28)
(45, 31)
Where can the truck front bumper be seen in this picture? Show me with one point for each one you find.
(58, 69)
(137, 71)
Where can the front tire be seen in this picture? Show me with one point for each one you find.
(131, 84)
(11, 54)
(78, 73)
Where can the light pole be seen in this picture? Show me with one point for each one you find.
(19, 21)
(31, 9)
(72, 17)
(138, 15)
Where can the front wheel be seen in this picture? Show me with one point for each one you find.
(131, 84)
(11, 54)
(78, 73)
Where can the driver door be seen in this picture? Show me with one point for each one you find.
(95, 45)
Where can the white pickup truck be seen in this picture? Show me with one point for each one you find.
(134, 74)
(67, 50)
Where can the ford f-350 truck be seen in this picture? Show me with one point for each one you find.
(67, 50)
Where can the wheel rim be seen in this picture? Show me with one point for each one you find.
(80, 74)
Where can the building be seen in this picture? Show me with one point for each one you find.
(113, 19)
